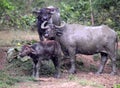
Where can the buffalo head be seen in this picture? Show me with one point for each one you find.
(52, 30)
(45, 14)
(26, 50)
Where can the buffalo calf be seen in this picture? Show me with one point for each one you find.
(43, 50)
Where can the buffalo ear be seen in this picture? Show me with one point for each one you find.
(33, 51)
(36, 12)
(59, 32)
(49, 10)
(53, 9)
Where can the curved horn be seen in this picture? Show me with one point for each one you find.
(43, 25)
(52, 9)
(63, 24)
(36, 11)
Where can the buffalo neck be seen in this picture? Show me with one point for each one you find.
(39, 22)
(61, 37)
(60, 31)
(33, 55)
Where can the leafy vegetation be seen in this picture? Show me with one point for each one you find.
(18, 14)
(117, 86)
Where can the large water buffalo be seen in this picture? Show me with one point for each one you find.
(43, 50)
(50, 14)
(88, 40)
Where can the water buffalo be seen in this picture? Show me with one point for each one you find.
(50, 14)
(88, 40)
(43, 50)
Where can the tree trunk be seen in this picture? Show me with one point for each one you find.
(92, 17)
(28, 5)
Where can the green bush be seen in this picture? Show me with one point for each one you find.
(117, 86)
(16, 20)
(77, 12)
(47, 68)
(22, 42)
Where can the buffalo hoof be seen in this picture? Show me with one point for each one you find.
(34, 75)
(113, 73)
(98, 73)
(57, 76)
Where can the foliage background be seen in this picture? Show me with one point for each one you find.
(17, 14)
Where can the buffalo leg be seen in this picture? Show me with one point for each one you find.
(72, 60)
(40, 35)
(113, 59)
(112, 54)
(103, 62)
(56, 63)
(36, 67)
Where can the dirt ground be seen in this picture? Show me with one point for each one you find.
(82, 79)
(105, 80)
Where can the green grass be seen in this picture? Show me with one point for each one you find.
(6, 80)
(85, 82)
(117, 86)
(96, 57)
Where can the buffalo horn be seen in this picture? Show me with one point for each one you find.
(63, 24)
(43, 25)
(36, 11)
